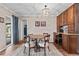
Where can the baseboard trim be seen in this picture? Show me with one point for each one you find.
(5, 48)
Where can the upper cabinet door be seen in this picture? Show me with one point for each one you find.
(65, 16)
(57, 23)
(71, 15)
(71, 19)
(61, 19)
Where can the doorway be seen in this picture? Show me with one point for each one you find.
(25, 31)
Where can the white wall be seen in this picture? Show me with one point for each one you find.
(21, 28)
(3, 13)
(50, 26)
(22, 22)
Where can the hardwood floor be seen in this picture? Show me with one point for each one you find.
(11, 51)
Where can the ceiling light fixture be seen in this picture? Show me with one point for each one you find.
(45, 11)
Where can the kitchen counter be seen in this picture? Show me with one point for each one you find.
(68, 33)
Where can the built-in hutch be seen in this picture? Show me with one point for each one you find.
(69, 21)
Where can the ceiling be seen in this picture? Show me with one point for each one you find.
(23, 9)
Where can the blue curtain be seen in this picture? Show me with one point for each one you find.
(15, 30)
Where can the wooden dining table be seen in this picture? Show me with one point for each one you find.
(38, 36)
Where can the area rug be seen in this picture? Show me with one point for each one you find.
(20, 52)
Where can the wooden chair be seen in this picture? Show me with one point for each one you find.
(42, 41)
(29, 44)
(42, 45)
(47, 38)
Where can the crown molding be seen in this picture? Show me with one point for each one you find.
(9, 10)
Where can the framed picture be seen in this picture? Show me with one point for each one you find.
(1, 20)
(37, 23)
(43, 23)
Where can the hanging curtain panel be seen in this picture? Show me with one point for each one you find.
(15, 30)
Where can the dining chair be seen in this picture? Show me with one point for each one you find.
(47, 38)
(42, 40)
(29, 44)
(45, 43)
(42, 45)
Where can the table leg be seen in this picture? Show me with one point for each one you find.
(29, 51)
(24, 49)
(29, 46)
(45, 49)
(36, 45)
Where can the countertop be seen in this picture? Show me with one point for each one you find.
(67, 33)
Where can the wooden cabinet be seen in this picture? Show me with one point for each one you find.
(70, 15)
(69, 43)
(70, 18)
(67, 18)
(72, 43)
(65, 15)
(71, 28)
(58, 24)
(65, 42)
(59, 20)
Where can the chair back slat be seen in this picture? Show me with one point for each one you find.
(45, 34)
